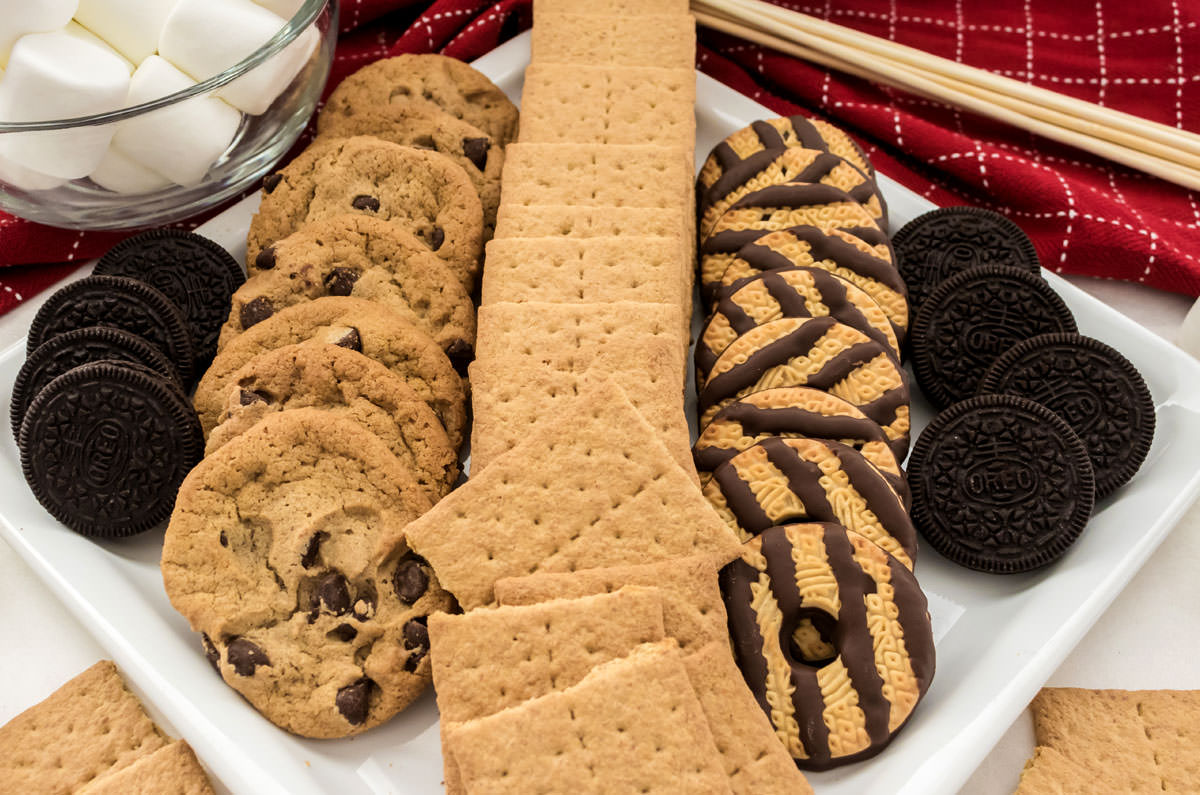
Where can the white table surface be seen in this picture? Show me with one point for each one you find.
(1145, 640)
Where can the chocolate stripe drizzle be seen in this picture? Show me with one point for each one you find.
(757, 421)
(806, 697)
(735, 582)
(881, 500)
(853, 637)
(913, 616)
(804, 480)
(727, 384)
(741, 500)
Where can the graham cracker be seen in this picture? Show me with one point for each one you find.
(1050, 773)
(530, 357)
(171, 769)
(592, 270)
(632, 725)
(86, 728)
(756, 762)
(610, 7)
(598, 175)
(693, 612)
(608, 104)
(591, 486)
(491, 659)
(1128, 741)
(667, 40)
(573, 221)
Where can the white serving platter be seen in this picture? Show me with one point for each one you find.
(999, 638)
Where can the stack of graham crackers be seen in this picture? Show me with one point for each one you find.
(593, 652)
(591, 264)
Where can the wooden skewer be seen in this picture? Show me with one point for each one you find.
(954, 92)
(806, 27)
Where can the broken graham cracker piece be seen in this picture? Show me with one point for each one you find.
(1130, 740)
(693, 612)
(591, 487)
(491, 659)
(632, 725)
(171, 769)
(532, 356)
(592, 270)
(1050, 773)
(667, 40)
(87, 727)
(608, 104)
(575, 221)
(755, 760)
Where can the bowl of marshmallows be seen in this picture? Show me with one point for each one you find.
(125, 113)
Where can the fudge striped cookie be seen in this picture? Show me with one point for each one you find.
(789, 292)
(790, 165)
(769, 135)
(816, 352)
(771, 209)
(843, 254)
(833, 636)
(779, 481)
(795, 412)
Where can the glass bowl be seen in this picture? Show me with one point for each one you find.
(177, 133)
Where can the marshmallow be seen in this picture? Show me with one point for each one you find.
(206, 37)
(18, 176)
(181, 141)
(1189, 332)
(61, 75)
(19, 17)
(284, 8)
(121, 174)
(132, 27)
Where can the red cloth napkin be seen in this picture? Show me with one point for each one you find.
(1085, 215)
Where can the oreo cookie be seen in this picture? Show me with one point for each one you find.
(193, 271)
(1000, 484)
(70, 350)
(117, 302)
(105, 447)
(972, 318)
(939, 244)
(1095, 389)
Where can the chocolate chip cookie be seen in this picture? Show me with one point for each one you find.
(287, 552)
(353, 323)
(438, 80)
(366, 258)
(410, 124)
(421, 191)
(343, 382)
